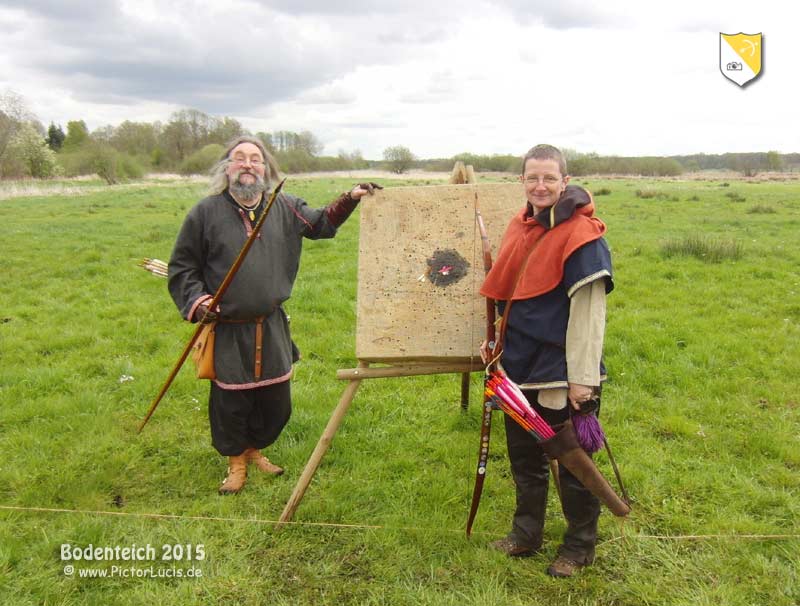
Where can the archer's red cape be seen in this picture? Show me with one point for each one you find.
(566, 226)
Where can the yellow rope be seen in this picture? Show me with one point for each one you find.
(701, 537)
(168, 516)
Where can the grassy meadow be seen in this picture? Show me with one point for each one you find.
(702, 410)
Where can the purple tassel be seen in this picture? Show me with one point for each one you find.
(590, 434)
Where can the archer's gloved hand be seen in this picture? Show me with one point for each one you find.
(364, 188)
(370, 186)
(204, 315)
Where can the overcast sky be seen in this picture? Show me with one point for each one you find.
(441, 77)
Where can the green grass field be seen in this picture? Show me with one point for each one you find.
(703, 412)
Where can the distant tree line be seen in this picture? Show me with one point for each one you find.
(191, 141)
(579, 164)
(749, 164)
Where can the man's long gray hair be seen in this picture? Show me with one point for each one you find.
(219, 178)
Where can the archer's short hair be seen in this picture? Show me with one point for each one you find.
(544, 151)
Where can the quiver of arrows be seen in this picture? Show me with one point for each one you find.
(565, 448)
(154, 266)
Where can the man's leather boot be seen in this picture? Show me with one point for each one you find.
(237, 475)
(263, 463)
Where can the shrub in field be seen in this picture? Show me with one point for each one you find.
(157, 158)
(104, 161)
(75, 162)
(704, 248)
(129, 167)
(761, 209)
(113, 166)
(28, 155)
(201, 161)
(735, 197)
(651, 193)
(295, 161)
(399, 158)
(603, 191)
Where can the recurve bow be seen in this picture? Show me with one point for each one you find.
(486, 421)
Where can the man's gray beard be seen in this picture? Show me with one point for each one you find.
(248, 191)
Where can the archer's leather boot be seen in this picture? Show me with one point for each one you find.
(237, 475)
(564, 567)
(263, 463)
(510, 547)
(581, 509)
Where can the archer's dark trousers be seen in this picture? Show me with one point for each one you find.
(248, 418)
(530, 468)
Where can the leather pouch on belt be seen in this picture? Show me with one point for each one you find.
(203, 353)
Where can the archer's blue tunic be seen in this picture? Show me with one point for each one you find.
(534, 348)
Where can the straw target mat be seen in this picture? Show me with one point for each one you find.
(420, 267)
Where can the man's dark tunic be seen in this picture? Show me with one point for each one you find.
(207, 245)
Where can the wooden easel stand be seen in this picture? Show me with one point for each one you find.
(355, 376)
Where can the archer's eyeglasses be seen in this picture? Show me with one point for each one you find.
(546, 179)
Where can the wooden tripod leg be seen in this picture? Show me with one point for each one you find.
(464, 391)
(322, 446)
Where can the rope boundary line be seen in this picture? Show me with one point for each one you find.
(171, 516)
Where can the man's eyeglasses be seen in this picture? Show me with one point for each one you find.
(243, 161)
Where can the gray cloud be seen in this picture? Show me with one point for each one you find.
(129, 60)
(259, 57)
(80, 11)
(258, 53)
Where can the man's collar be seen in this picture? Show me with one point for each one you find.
(574, 197)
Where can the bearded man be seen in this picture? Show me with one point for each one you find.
(250, 400)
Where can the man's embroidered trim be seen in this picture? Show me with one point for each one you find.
(235, 387)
